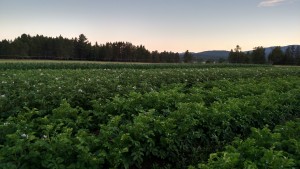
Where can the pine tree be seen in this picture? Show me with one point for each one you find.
(258, 55)
(187, 57)
(81, 47)
(237, 56)
(231, 57)
(289, 56)
(276, 57)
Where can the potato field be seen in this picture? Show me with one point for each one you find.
(87, 115)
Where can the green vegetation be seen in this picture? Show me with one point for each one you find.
(38, 64)
(71, 115)
(263, 149)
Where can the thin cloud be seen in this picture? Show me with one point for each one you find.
(270, 3)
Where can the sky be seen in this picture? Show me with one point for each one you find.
(171, 25)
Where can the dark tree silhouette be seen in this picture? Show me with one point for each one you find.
(41, 47)
(276, 57)
(187, 57)
(237, 56)
(258, 55)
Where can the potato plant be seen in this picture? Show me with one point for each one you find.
(144, 117)
(262, 149)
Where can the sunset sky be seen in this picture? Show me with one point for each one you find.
(171, 25)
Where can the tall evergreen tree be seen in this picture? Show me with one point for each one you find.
(5, 49)
(176, 58)
(231, 57)
(81, 47)
(276, 57)
(289, 56)
(258, 55)
(187, 57)
(237, 56)
(155, 56)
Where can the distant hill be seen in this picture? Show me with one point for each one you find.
(212, 55)
(215, 55)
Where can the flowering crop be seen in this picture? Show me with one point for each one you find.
(123, 117)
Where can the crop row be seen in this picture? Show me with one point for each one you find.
(44, 89)
(174, 125)
(8, 65)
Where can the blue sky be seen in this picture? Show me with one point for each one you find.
(172, 25)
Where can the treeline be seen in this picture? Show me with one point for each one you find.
(291, 56)
(59, 48)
